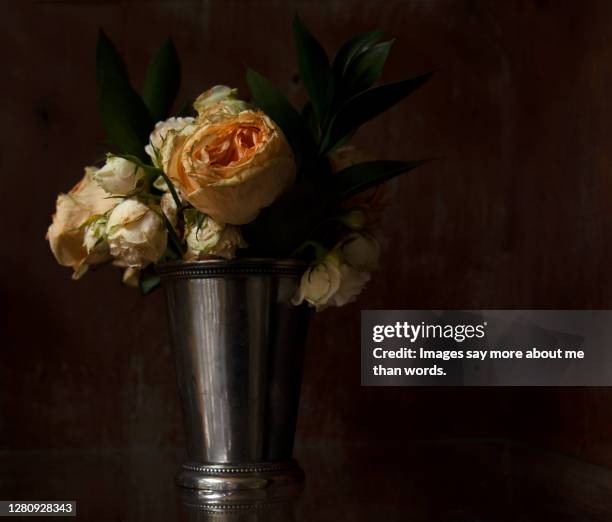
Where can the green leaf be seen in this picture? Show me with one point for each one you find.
(269, 99)
(364, 106)
(109, 61)
(310, 119)
(362, 176)
(162, 82)
(352, 48)
(125, 118)
(124, 115)
(366, 68)
(314, 68)
(344, 141)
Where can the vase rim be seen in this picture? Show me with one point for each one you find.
(228, 267)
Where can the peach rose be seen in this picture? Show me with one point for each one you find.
(231, 166)
(66, 235)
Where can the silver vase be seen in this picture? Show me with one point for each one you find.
(239, 346)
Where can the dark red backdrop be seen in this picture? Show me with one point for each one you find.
(515, 214)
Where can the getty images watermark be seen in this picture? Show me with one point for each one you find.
(486, 348)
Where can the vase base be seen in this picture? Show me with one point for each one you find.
(221, 479)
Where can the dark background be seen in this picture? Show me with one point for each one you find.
(515, 213)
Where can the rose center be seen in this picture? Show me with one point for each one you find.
(233, 144)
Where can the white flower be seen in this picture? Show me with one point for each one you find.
(214, 95)
(166, 149)
(352, 283)
(169, 208)
(159, 134)
(361, 251)
(205, 237)
(136, 234)
(95, 236)
(119, 176)
(217, 102)
(331, 282)
(320, 282)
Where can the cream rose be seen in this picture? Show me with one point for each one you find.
(232, 167)
(119, 176)
(217, 102)
(205, 237)
(331, 282)
(159, 134)
(66, 235)
(95, 236)
(352, 283)
(136, 234)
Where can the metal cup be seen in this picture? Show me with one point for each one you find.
(239, 346)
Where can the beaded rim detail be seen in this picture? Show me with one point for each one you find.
(221, 469)
(235, 267)
(220, 508)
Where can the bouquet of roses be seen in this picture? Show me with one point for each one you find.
(234, 178)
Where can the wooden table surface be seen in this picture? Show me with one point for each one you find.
(451, 481)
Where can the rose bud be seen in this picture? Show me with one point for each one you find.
(137, 235)
(119, 176)
(207, 238)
